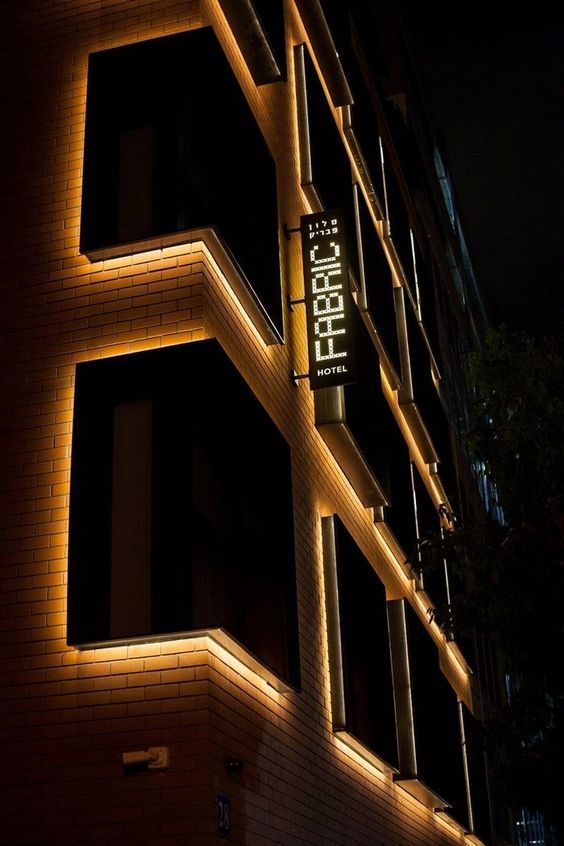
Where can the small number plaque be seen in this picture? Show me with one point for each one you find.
(223, 815)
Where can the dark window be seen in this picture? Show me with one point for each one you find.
(402, 136)
(369, 702)
(379, 290)
(437, 729)
(366, 111)
(331, 167)
(366, 408)
(354, 28)
(428, 529)
(337, 16)
(426, 294)
(258, 27)
(181, 505)
(171, 145)
(428, 400)
(398, 219)
(477, 774)
(271, 16)
(394, 473)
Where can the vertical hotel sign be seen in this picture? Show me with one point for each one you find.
(328, 300)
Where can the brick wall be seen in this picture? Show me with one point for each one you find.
(67, 715)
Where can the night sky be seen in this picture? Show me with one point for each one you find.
(494, 76)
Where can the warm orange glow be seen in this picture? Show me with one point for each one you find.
(228, 659)
(114, 654)
(323, 639)
(223, 283)
(395, 558)
(362, 761)
(431, 480)
(400, 797)
(166, 294)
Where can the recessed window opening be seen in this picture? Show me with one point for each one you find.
(378, 282)
(181, 506)
(363, 646)
(166, 126)
(365, 403)
(330, 164)
(437, 729)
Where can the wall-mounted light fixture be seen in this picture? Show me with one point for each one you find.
(154, 758)
(234, 766)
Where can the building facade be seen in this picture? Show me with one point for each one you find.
(215, 623)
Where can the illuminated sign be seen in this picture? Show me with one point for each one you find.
(328, 300)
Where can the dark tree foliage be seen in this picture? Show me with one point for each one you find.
(512, 571)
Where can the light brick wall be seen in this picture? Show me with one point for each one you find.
(67, 715)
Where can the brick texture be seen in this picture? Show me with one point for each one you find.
(67, 716)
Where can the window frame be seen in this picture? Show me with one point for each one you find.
(101, 387)
(258, 281)
(341, 705)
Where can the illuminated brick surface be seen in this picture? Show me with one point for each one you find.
(68, 715)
